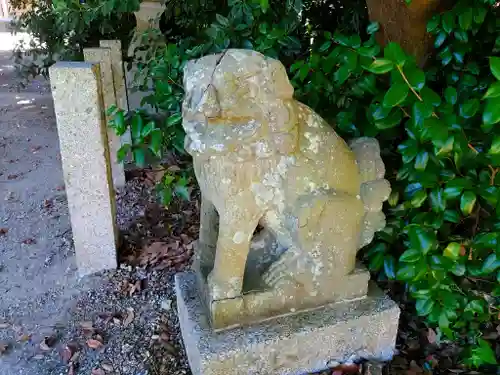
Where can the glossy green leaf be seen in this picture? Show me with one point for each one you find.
(486, 353)
(174, 119)
(490, 264)
(264, 5)
(156, 142)
(448, 22)
(137, 124)
(369, 51)
(421, 160)
(495, 66)
(491, 114)
(493, 91)
(406, 273)
(424, 306)
(422, 239)
(433, 23)
(446, 147)
(381, 66)
(452, 216)
(452, 251)
(148, 129)
(450, 94)
(479, 14)
(395, 53)
(395, 95)
(467, 202)
(458, 269)
(342, 74)
(430, 97)
(393, 119)
(469, 108)
(418, 198)
(465, 18)
(495, 146)
(325, 46)
(440, 38)
(410, 256)
(415, 76)
(421, 111)
(122, 152)
(372, 28)
(139, 157)
(437, 201)
(390, 267)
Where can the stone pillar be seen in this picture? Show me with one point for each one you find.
(76, 90)
(103, 57)
(118, 73)
(119, 80)
(405, 24)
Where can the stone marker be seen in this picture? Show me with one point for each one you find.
(76, 90)
(103, 57)
(293, 288)
(119, 82)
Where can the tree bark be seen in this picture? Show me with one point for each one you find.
(406, 24)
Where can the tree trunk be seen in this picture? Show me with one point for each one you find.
(406, 24)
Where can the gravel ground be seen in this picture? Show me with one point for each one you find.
(46, 311)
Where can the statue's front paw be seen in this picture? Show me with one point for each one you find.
(219, 289)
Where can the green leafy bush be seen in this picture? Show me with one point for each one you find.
(441, 144)
(438, 130)
(60, 29)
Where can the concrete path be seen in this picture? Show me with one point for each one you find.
(38, 281)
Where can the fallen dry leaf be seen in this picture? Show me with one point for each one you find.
(29, 241)
(35, 148)
(98, 371)
(47, 203)
(94, 344)
(87, 325)
(108, 367)
(130, 317)
(12, 176)
(24, 337)
(3, 347)
(431, 336)
(66, 354)
(3, 231)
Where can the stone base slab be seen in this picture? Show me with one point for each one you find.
(298, 343)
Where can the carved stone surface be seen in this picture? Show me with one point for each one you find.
(82, 131)
(263, 159)
(296, 344)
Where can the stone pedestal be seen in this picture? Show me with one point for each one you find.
(299, 343)
(77, 93)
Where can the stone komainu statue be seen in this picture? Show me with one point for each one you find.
(264, 159)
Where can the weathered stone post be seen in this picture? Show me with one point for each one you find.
(103, 57)
(76, 90)
(118, 80)
(405, 24)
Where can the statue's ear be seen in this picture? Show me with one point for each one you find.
(282, 86)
